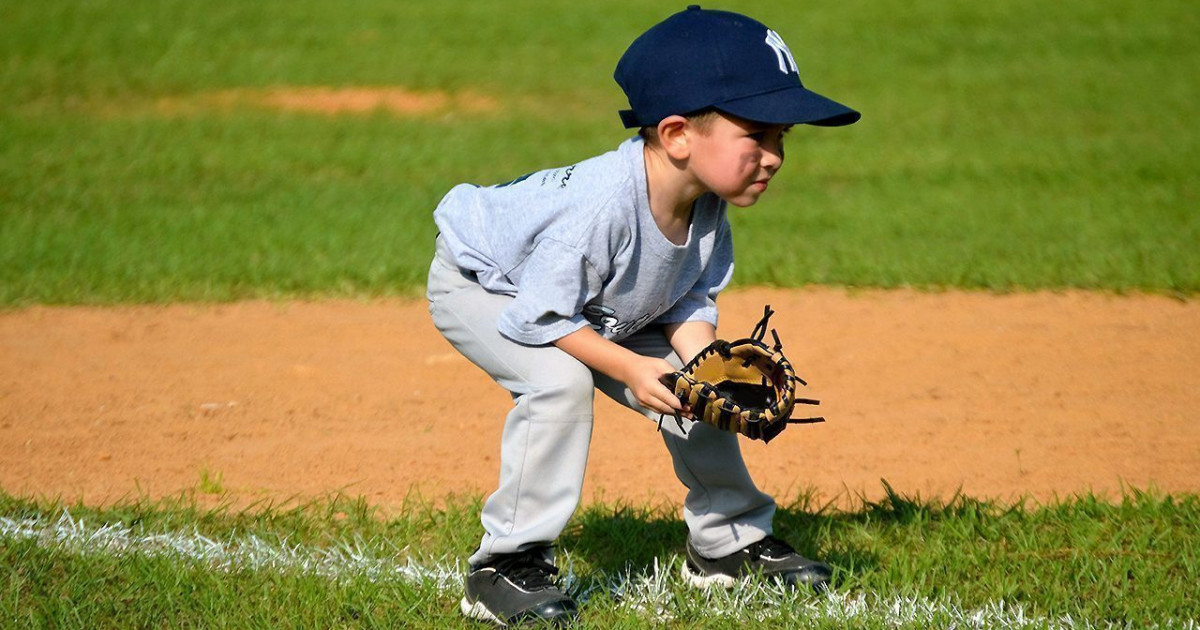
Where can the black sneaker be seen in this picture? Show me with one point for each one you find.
(517, 589)
(770, 557)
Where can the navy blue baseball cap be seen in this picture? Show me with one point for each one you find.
(699, 59)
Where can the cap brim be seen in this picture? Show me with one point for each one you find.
(791, 106)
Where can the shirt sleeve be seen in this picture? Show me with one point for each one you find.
(699, 304)
(556, 282)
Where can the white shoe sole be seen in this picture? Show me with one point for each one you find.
(697, 580)
(478, 611)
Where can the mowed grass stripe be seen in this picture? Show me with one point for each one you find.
(900, 562)
(651, 593)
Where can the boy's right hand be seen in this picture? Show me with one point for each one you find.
(642, 378)
(638, 372)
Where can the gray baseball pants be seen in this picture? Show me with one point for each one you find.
(544, 445)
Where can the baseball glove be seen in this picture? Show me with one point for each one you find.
(742, 386)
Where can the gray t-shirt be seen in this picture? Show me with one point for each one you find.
(577, 246)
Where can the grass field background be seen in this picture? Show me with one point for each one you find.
(902, 562)
(1004, 145)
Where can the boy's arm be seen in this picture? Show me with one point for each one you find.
(639, 373)
(689, 338)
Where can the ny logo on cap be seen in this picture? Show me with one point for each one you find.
(787, 63)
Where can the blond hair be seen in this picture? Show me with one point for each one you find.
(701, 120)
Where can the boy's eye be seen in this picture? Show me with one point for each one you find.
(762, 134)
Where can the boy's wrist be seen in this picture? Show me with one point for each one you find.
(689, 338)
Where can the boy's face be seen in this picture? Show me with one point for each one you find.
(736, 158)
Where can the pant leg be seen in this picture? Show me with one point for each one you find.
(544, 446)
(724, 509)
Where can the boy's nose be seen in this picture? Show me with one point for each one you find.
(772, 158)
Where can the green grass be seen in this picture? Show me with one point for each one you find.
(1003, 146)
(1130, 563)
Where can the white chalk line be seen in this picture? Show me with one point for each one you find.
(645, 591)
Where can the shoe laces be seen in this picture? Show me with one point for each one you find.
(771, 547)
(527, 570)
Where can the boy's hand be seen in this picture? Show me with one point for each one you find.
(639, 373)
(642, 377)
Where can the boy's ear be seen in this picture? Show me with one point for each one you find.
(673, 136)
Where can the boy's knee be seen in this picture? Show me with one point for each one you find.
(566, 388)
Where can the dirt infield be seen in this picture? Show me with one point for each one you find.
(1001, 396)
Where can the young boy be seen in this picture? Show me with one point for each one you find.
(603, 275)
